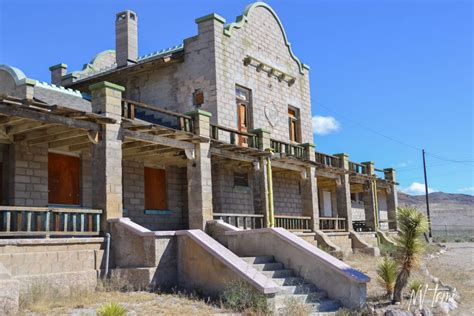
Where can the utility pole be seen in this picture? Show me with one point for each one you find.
(426, 194)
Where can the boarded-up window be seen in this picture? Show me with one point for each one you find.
(155, 189)
(294, 124)
(243, 104)
(241, 179)
(64, 177)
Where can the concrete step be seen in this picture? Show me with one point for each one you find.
(271, 266)
(295, 280)
(259, 259)
(301, 289)
(283, 273)
(326, 305)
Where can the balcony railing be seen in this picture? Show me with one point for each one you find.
(328, 160)
(33, 221)
(154, 115)
(233, 136)
(357, 167)
(288, 149)
(245, 221)
(293, 223)
(332, 224)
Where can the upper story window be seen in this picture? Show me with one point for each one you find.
(294, 124)
(243, 102)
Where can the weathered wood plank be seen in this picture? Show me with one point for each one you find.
(160, 140)
(24, 112)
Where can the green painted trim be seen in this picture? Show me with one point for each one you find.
(389, 169)
(367, 163)
(309, 145)
(106, 84)
(28, 81)
(212, 16)
(341, 154)
(198, 112)
(63, 66)
(74, 75)
(242, 19)
(259, 130)
(157, 212)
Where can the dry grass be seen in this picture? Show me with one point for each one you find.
(294, 307)
(43, 299)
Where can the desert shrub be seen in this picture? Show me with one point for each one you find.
(295, 307)
(387, 250)
(240, 297)
(415, 285)
(112, 309)
(387, 270)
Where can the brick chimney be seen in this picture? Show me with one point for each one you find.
(126, 38)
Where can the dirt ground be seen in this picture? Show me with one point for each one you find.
(136, 303)
(454, 268)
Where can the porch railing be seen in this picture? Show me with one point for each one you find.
(327, 160)
(132, 109)
(245, 221)
(333, 224)
(357, 167)
(233, 136)
(33, 221)
(293, 223)
(293, 150)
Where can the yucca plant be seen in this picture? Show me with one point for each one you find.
(412, 224)
(112, 309)
(387, 269)
(415, 285)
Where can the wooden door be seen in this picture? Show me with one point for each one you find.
(155, 189)
(64, 176)
(242, 123)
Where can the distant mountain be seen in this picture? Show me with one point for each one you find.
(448, 211)
(435, 197)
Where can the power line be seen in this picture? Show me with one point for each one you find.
(395, 139)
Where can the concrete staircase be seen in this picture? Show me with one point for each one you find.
(294, 286)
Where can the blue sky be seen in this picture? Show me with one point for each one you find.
(380, 70)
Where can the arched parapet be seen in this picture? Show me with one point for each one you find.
(241, 20)
(14, 82)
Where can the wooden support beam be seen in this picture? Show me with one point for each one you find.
(71, 133)
(288, 166)
(151, 152)
(46, 130)
(26, 113)
(82, 139)
(159, 140)
(7, 120)
(25, 127)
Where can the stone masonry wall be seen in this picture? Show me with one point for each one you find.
(28, 175)
(134, 197)
(59, 262)
(261, 38)
(287, 193)
(228, 198)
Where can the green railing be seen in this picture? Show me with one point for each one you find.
(33, 221)
(288, 149)
(155, 115)
(245, 221)
(233, 136)
(357, 167)
(328, 160)
(293, 223)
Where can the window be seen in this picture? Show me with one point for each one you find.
(198, 97)
(242, 97)
(241, 179)
(294, 124)
(155, 189)
(64, 174)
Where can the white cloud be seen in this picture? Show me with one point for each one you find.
(323, 125)
(468, 190)
(417, 189)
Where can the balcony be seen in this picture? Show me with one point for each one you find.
(327, 160)
(285, 149)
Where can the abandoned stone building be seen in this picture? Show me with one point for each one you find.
(199, 162)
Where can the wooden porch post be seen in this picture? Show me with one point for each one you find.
(344, 206)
